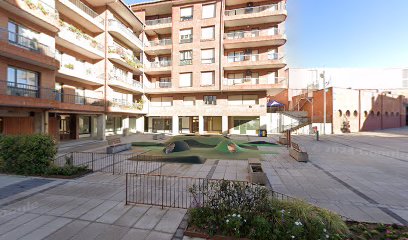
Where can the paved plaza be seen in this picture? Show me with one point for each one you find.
(361, 176)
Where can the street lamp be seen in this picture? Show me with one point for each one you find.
(323, 76)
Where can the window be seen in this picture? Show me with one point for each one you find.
(208, 33)
(80, 96)
(185, 79)
(189, 101)
(272, 54)
(84, 125)
(237, 56)
(272, 78)
(207, 56)
(207, 78)
(186, 57)
(1, 125)
(165, 82)
(21, 82)
(186, 14)
(186, 36)
(210, 100)
(242, 100)
(113, 124)
(161, 101)
(22, 36)
(208, 11)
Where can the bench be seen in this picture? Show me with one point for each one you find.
(283, 140)
(116, 146)
(158, 136)
(296, 153)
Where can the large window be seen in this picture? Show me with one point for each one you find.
(80, 95)
(186, 14)
(161, 101)
(22, 36)
(236, 56)
(21, 82)
(208, 33)
(186, 57)
(247, 100)
(185, 79)
(186, 36)
(207, 56)
(207, 78)
(84, 125)
(113, 124)
(208, 11)
(210, 100)
(189, 101)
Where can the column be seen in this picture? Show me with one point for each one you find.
(46, 122)
(101, 127)
(125, 126)
(175, 124)
(263, 122)
(140, 124)
(225, 129)
(201, 124)
(94, 127)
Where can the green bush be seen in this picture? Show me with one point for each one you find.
(28, 155)
(241, 210)
(67, 170)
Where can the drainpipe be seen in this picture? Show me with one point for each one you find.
(221, 53)
(359, 110)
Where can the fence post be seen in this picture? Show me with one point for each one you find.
(93, 159)
(126, 189)
(113, 165)
(162, 191)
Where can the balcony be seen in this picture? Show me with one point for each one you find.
(253, 84)
(159, 86)
(74, 39)
(29, 50)
(275, 13)
(159, 47)
(186, 62)
(24, 95)
(80, 72)
(158, 26)
(125, 83)
(209, 110)
(158, 67)
(121, 105)
(255, 61)
(120, 31)
(37, 12)
(81, 14)
(125, 58)
(254, 38)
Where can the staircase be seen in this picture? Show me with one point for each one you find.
(300, 118)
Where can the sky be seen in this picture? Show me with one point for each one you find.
(346, 33)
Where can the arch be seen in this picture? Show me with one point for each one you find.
(355, 113)
(348, 113)
(365, 114)
(340, 113)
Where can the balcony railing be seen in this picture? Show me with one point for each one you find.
(186, 18)
(30, 44)
(160, 64)
(115, 24)
(126, 55)
(121, 103)
(158, 21)
(33, 91)
(207, 60)
(252, 34)
(253, 81)
(88, 11)
(43, 7)
(125, 79)
(186, 39)
(161, 42)
(257, 9)
(255, 57)
(83, 38)
(186, 62)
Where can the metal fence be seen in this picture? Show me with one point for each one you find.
(174, 191)
(112, 163)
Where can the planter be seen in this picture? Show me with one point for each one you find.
(283, 140)
(256, 173)
(298, 155)
(118, 148)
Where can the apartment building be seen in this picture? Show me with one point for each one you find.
(210, 65)
(70, 68)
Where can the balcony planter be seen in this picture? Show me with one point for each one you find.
(30, 4)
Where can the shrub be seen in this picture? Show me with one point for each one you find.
(243, 210)
(67, 170)
(27, 154)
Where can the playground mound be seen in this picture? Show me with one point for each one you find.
(177, 146)
(228, 146)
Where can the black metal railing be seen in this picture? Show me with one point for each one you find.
(112, 163)
(78, 99)
(186, 39)
(186, 18)
(30, 44)
(186, 62)
(176, 191)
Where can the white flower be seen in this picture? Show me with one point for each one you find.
(239, 216)
(324, 230)
(227, 221)
(233, 215)
(327, 236)
(293, 237)
(298, 223)
(283, 210)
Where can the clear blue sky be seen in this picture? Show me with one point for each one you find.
(346, 33)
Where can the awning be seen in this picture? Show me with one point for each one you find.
(275, 104)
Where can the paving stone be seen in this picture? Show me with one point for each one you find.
(170, 221)
(135, 234)
(159, 236)
(47, 229)
(150, 219)
(26, 228)
(68, 230)
(98, 211)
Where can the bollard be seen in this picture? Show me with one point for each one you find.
(317, 135)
